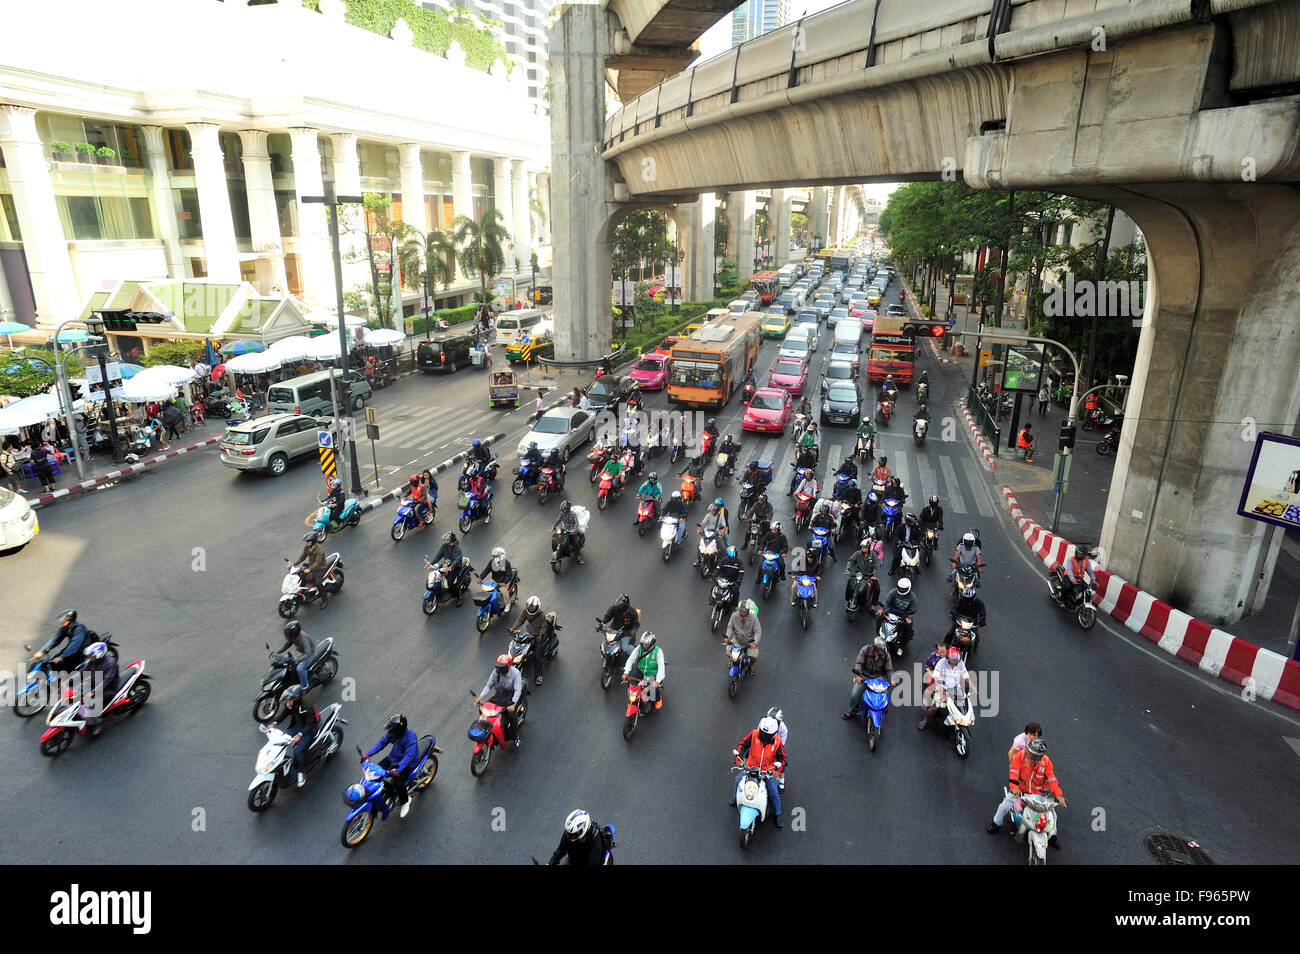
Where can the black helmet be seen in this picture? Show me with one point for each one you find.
(68, 618)
(564, 506)
(449, 537)
(309, 538)
(1036, 749)
(911, 519)
(294, 694)
(1080, 551)
(292, 629)
(622, 602)
(934, 500)
(396, 727)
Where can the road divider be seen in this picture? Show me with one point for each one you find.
(112, 475)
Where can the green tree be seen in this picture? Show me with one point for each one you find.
(640, 240)
(180, 353)
(482, 245)
(426, 260)
(381, 244)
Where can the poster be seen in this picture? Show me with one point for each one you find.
(95, 381)
(1272, 490)
(1024, 368)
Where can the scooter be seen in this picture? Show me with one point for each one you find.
(817, 549)
(524, 646)
(768, 572)
(863, 593)
(802, 511)
(610, 489)
(891, 629)
(865, 448)
(68, 718)
(474, 507)
(689, 489)
(966, 577)
(615, 647)
(966, 635)
(929, 544)
(875, 700)
(724, 598)
(909, 560)
(922, 392)
(406, 519)
(1109, 444)
(959, 716)
(550, 483)
(275, 766)
(492, 602)
(707, 440)
(1098, 418)
(1065, 595)
(322, 524)
(369, 797)
(708, 551)
(751, 799)
(598, 455)
(841, 485)
(919, 426)
(488, 732)
(738, 667)
(41, 684)
(438, 588)
(647, 512)
(1035, 822)
(668, 542)
(885, 413)
(892, 509)
(528, 475)
(473, 468)
(322, 667)
(294, 591)
(638, 706)
(726, 467)
(806, 596)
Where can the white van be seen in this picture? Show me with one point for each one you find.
(848, 340)
(511, 323)
(787, 274)
(800, 343)
(739, 306)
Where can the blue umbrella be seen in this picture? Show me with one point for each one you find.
(241, 347)
(73, 335)
(129, 370)
(11, 328)
(210, 354)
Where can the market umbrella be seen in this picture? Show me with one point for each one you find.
(241, 347)
(20, 414)
(293, 348)
(382, 337)
(324, 348)
(254, 363)
(141, 390)
(209, 354)
(73, 335)
(11, 328)
(169, 375)
(331, 319)
(130, 370)
(47, 404)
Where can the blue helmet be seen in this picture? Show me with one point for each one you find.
(477, 443)
(731, 551)
(96, 650)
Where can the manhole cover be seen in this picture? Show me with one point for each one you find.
(401, 417)
(1170, 849)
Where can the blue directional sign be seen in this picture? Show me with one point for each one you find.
(323, 439)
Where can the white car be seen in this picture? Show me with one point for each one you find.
(564, 428)
(18, 522)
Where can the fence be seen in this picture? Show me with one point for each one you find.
(992, 433)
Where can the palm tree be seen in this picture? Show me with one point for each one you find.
(426, 260)
(482, 245)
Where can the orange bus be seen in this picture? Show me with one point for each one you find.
(768, 286)
(892, 351)
(707, 367)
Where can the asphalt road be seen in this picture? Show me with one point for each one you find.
(182, 563)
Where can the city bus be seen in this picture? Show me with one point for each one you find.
(708, 366)
(840, 261)
(892, 351)
(768, 286)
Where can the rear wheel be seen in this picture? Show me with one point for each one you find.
(962, 742)
(717, 618)
(261, 798)
(424, 776)
(1103, 449)
(277, 465)
(478, 761)
(139, 693)
(542, 494)
(328, 670)
(355, 830)
(334, 582)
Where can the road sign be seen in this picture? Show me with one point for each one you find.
(323, 440)
(371, 417)
(328, 466)
(372, 431)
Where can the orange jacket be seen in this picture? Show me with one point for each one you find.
(759, 755)
(1023, 440)
(1035, 779)
(880, 473)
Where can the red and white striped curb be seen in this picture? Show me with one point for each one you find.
(1271, 675)
(989, 456)
(115, 474)
(934, 349)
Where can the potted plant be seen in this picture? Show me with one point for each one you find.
(60, 148)
(106, 154)
(85, 151)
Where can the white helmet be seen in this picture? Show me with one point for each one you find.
(498, 553)
(904, 586)
(577, 825)
(768, 726)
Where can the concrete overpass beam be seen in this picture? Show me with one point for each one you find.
(780, 210)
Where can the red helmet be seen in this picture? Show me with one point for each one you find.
(415, 478)
(503, 661)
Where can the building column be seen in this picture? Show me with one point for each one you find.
(164, 204)
(740, 233)
(44, 244)
(413, 210)
(538, 183)
(7, 312)
(263, 216)
(522, 229)
(502, 199)
(581, 38)
(315, 258)
(697, 283)
(346, 169)
(462, 196)
(833, 217)
(819, 219)
(780, 210)
(220, 252)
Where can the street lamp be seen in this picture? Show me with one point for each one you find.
(65, 392)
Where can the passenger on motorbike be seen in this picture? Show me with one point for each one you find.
(584, 842)
(534, 622)
(648, 659)
(567, 523)
(715, 520)
(775, 541)
(449, 553)
(101, 683)
(303, 721)
(901, 601)
(1031, 772)
(676, 507)
(911, 537)
(479, 453)
(949, 674)
(873, 662)
(744, 632)
(400, 760)
(826, 520)
(762, 749)
(296, 638)
(70, 655)
(312, 561)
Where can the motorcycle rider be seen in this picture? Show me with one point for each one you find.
(744, 631)
(552, 459)
(70, 655)
(534, 621)
(614, 467)
(864, 561)
(101, 683)
(970, 606)
(811, 439)
(479, 454)
(731, 567)
(888, 389)
(911, 537)
(826, 520)
(873, 661)
(949, 673)
(715, 520)
(730, 448)
(922, 415)
(1078, 570)
(901, 601)
(1031, 770)
(676, 507)
(932, 514)
(871, 512)
(867, 431)
(750, 384)
(302, 721)
(296, 638)
(895, 489)
(762, 749)
(336, 500)
(710, 428)
(653, 490)
(584, 842)
(761, 508)
(567, 522)
(968, 554)
(805, 459)
(848, 467)
(807, 483)
(499, 567)
(311, 561)
(775, 541)
(621, 616)
(419, 497)
(882, 470)
(648, 659)
(505, 687)
(450, 553)
(400, 760)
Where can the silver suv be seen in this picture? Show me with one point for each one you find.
(269, 443)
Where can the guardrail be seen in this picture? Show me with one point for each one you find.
(992, 433)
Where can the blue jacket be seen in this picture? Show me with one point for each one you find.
(404, 753)
(76, 643)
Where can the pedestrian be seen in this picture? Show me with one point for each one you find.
(152, 410)
(42, 455)
(585, 405)
(172, 419)
(539, 409)
(1024, 441)
(83, 445)
(154, 430)
(182, 404)
(9, 467)
(576, 399)
(1044, 396)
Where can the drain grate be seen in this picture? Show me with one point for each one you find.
(401, 418)
(1170, 849)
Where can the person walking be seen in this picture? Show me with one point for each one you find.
(9, 467)
(1044, 397)
(42, 460)
(538, 409)
(576, 399)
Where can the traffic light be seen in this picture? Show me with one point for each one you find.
(937, 331)
(1067, 436)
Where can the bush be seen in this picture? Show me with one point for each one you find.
(457, 316)
(180, 353)
(925, 310)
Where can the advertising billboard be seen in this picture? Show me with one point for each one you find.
(1272, 490)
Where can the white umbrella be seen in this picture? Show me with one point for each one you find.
(163, 374)
(47, 404)
(292, 348)
(136, 391)
(16, 416)
(324, 348)
(382, 337)
(255, 362)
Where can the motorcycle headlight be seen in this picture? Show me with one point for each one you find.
(631, 695)
(289, 586)
(264, 765)
(430, 580)
(751, 789)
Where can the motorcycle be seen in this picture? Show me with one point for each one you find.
(768, 572)
(406, 519)
(67, 718)
(909, 561)
(524, 646)
(550, 483)
(922, 392)
(488, 732)
(885, 412)
(1109, 444)
(966, 577)
(438, 584)
(805, 596)
(1098, 418)
(689, 490)
(707, 440)
(865, 448)
(747, 394)
(708, 552)
(817, 549)
(638, 706)
(294, 591)
(798, 424)
(724, 598)
(474, 507)
(598, 455)
(473, 468)
(1068, 597)
(738, 667)
(322, 525)
(217, 407)
(751, 799)
(647, 512)
(919, 426)
(40, 688)
(274, 764)
(875, 700)
(726, 467)
(878, 487)
(959, 716)
(491, 602)
(631, 461)
(966, 635)
(369, 797)
(841, 485)
(668, 536)
(891, 628)
(615, 647)
(802, 511)
(863, 593)
(1035, 822)
(527, 475)
(322, 667)
(891, 509)
(849, 529)
(610, 488)
(929, 544)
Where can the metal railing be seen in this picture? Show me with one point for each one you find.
(992, 433)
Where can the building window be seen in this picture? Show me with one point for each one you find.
(189, 224)
(286, 207)
(280, 149)
(178, 149)
(111, 218)
(532, 75)
(82, 212)
(238, 193)
(142, 218)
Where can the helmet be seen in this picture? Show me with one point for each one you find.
(477, 443)
(647, 640)
(449, 537)
(336, 483)
(1080, 551)
(853, 482)
(873, 497)
(776, 713)
(498, 552)
(968, 537)
(653, 478)
(503, 662)
(954, 653)
(767, 729)
(564, 506)
(1037, 749)
(396, 726)
(70, 616)
(96, 650)
(934, 500)
(812, 425)
(533, 606)
(415, 478)
(776, 525)
(308, 538)
(717, 502)
(865, 542)
(294, 694)
(533, 445)
(824, 508)
(292, 629)
(577, 826)
(889, 377)
(880, 645)
(904, 586)
(911, 519)
(677, 495)
(711, 423)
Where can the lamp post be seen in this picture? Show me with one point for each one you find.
(65, 393)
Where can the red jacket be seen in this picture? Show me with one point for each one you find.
(758, 755)
(1034, 778)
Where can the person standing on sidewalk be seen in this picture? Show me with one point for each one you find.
(538, 409)
(79, 427)
(41, 459)
(9, 467)
(1044, 398)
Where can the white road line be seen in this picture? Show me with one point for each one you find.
(833, 457)
(953, 488)
(929, 485)
(898, 468)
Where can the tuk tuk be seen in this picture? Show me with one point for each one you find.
(503, 389)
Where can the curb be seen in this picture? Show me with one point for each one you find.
(370, 503)
(43, 499)
(989, 456)
(1271, 675)
(934, 350)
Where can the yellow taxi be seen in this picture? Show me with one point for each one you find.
(873, 296)
(775, 325)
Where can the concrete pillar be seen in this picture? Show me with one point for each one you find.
(697, 283)
(521, 229)
(779, 210)
(819, 218)
(44, 244)
(462, 185)
(346, 169)
(581, 37)
(6, 301)
(162, 200)
(263, 216)
(220, 253)
(412, 172)
(740, 232)
(316, 265)
(833, 226)
(502, 198)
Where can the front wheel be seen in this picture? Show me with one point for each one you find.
(478, 761)
(430, 605)
(517, 487)
(606, 676)
(261, 798)
(288, 609)
(733, 686)
(355, 519)
(668, 552)
(355, 830)
(591, 474)
(265, 708)
(629, 726)
(465, 523)
(747, 835)
(481, 621)
(640, 529)
(1087, 615)
(927, 558)
(32, 701)
(56, 744)
(962, 741)
(399, 531)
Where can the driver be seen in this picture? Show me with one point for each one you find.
(399, 761)
(71, 654)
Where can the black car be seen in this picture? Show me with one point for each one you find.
(445, 354)
(842, 404)
(608, 390)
